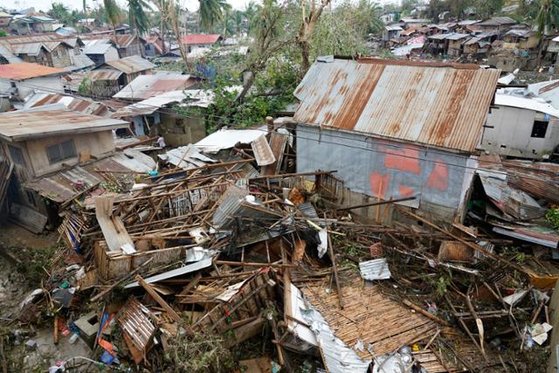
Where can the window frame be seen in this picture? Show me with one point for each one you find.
(64, 150)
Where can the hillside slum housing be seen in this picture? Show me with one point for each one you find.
(395, 130)
(226, 243)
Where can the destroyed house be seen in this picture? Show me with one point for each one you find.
(41, 143)
(394, 129)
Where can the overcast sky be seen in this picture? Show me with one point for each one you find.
(45, 5)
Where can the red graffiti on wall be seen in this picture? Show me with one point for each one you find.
(438, 179)
(405, 159)
(379, 184)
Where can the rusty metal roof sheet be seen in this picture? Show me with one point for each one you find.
(131, 64)
(104, 74)
(146, 86)
(64, 185)
(73, 103)
(439, 105)
(23, 125)
(25, 70)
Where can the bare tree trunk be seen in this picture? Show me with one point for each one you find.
(177, 31)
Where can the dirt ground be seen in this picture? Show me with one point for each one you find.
(33, 348)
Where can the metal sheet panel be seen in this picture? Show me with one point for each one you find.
(22, 125)
(434, 104)
(375, 269)
(146, 86)
(131, 64)
(26, 70)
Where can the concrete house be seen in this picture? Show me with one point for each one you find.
(43, 142)
(395, 129)
(525, 127)
(198, 41)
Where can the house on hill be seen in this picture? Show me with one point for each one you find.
(395, 129)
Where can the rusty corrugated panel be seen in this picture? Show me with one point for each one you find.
(104, 74)
(26, 70)
(132, 64)
(146, 86)
(137, 327)
(436, 105)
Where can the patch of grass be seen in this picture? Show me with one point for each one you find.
(33, 262)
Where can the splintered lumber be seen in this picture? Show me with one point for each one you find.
(172, 313)
(249, 264)
(465, 242)
(425, 313)
(379, 203)
(335, 270)
(115, 284)
(479, 323)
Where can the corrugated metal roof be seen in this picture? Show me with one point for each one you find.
(131, 64)
(8, 55)
(104, 74)
(25, 70)
(150, 105)
(375, 269)
(226, 139)
(443, 105)
(194, 39)
(99, 46)
(146, 86)
(30, 49)
(526, 103)
(22, 125)
(64, 185)
(498, 21)
(72, 103)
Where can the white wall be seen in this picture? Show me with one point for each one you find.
(509, 130)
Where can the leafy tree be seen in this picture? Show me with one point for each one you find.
(547, 20)
(488, 8)
(457, 8)
(548, 16)
(63, 14)
(311, 12)
(113, 12)
(211, 12)
(435, 8)
(408, 6)
(137, 16)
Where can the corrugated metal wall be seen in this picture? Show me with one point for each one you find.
(384, 168)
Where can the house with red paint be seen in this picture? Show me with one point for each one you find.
(396, 130)
(197, 41)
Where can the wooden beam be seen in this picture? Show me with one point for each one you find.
(172, 313)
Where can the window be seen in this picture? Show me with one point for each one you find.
(539, 128)
(62, 151)
(17, 155)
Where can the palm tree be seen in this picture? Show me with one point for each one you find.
(113, 12)
(546, 20)
(137, 16)
(211, 12)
